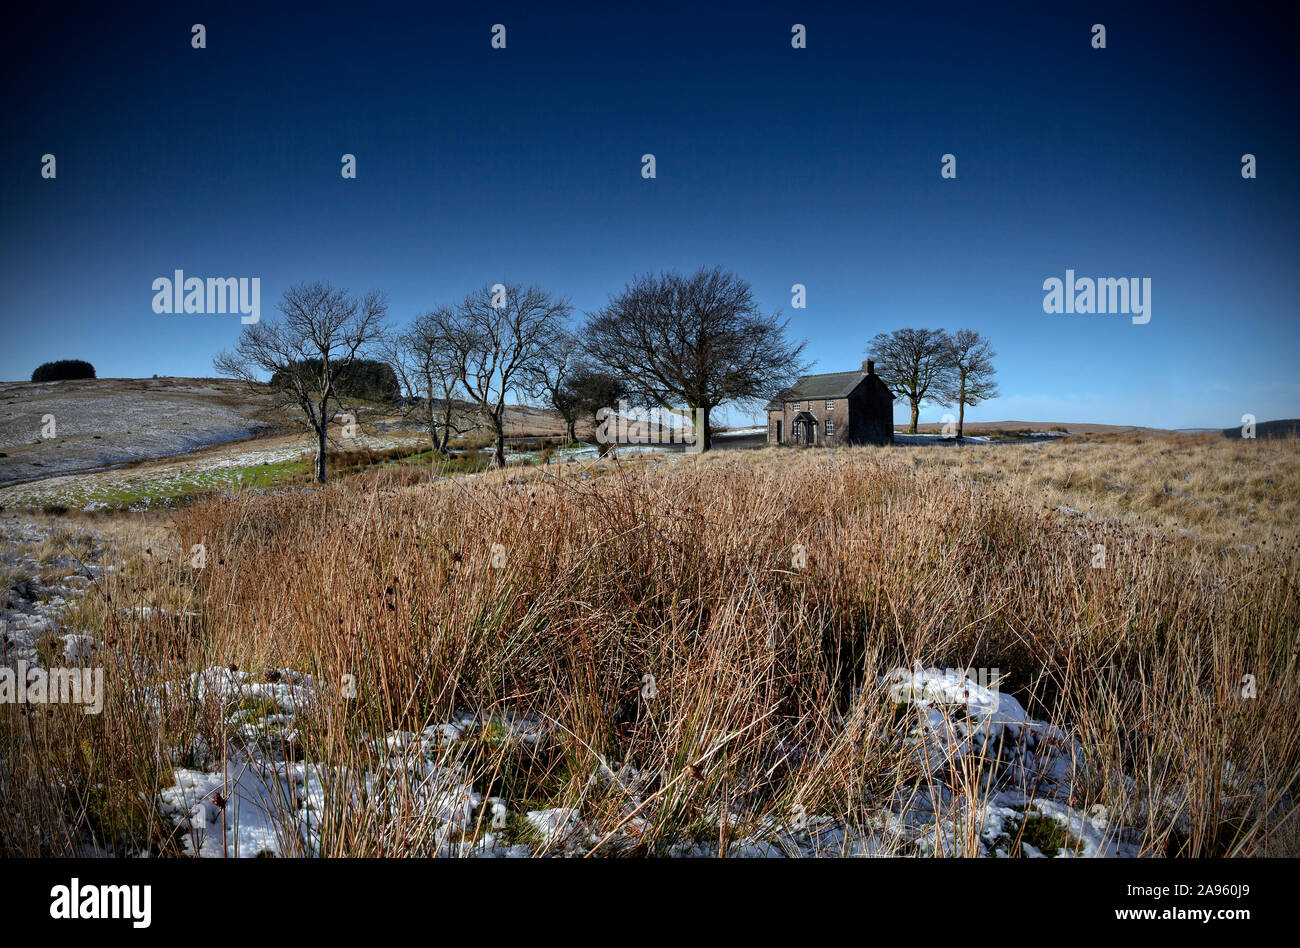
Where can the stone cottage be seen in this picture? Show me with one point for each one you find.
(833, 408)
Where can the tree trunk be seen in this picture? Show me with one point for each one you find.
(961, 408)
(501, 446)
(916, 411)
(703, 415)
(602, 444)
(320, 451)
(573, 422)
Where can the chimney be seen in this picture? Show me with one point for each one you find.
(869, 367)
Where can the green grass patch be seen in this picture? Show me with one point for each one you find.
(1045, 834)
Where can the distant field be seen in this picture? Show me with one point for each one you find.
(1282, 428)
(1073, 427)
(102, 422)
(138, 442)
(147, 443)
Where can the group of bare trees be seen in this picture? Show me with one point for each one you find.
(932, 365)
(457, 365)
(682, 342)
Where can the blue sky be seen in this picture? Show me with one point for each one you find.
(817, 166)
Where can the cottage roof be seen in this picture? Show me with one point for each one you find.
(825, 385)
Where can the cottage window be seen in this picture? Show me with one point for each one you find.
(830, 428)
(796, 407)
(830, 405)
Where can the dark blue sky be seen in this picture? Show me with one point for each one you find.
(817, 166)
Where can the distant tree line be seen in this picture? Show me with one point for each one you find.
(62, 370)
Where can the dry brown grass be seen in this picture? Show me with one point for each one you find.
(768, 673)
(1206, 488)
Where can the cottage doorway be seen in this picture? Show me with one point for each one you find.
(805, 429)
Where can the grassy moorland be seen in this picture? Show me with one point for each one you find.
(692, 655)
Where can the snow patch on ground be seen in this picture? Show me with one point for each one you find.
(32, 608)
(938, 439)
(261, 805)
(1027, 769)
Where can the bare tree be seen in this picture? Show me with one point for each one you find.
(321, 332)
(916, 364)
(559, 357)
(695, 341)
(589, 389)
(425, 358)
(500, 337)
(971, 378)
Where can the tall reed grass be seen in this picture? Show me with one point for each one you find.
(715, 629)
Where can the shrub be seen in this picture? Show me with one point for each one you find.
(63, 369)
(366, 379)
